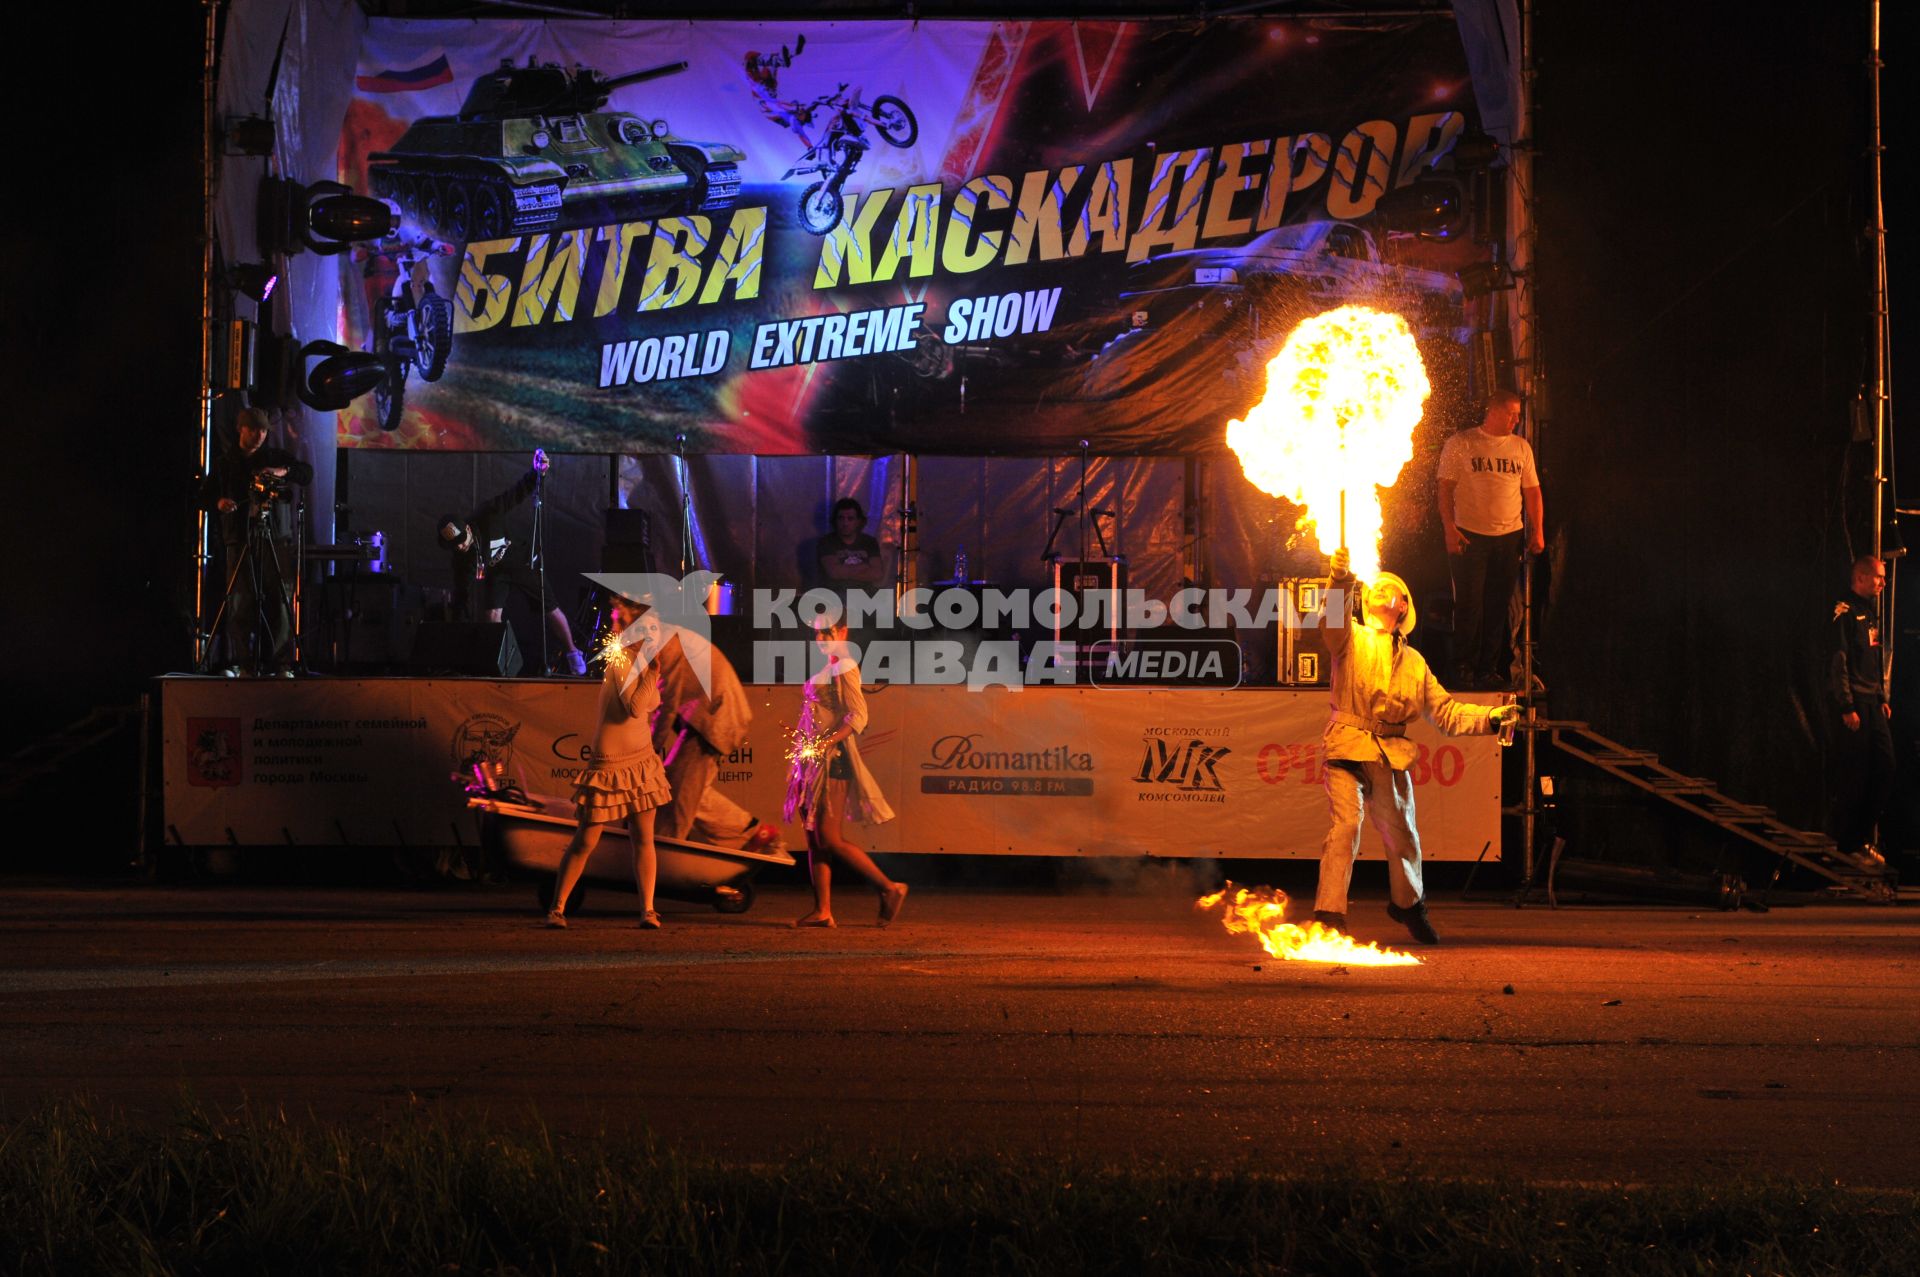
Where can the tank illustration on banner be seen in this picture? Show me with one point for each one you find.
(532, 149)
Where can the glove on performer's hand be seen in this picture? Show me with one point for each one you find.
(1342, 563)
(1503, 714)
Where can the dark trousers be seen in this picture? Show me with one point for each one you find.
(1864, 775)
(1483, 578)
(690, 774)
(259, 620)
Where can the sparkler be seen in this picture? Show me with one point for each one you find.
(1343, 396)
(1261, 912)
(806, 745)
(614, 653)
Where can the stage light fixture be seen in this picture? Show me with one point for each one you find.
(248, 135)
(325, 217)
(1475, 150)
(340, 376)
(1485, 277)
(1892, 546)
(253, 280)
(1429, 209)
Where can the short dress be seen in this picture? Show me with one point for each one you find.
(625, 776)
(832, 696)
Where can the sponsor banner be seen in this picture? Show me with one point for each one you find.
(1054, 771)
(1159, 772)
(859, 237)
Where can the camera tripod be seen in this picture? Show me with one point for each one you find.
(268, 581)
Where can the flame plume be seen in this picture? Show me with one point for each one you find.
(1261, 912)
(1343, 396)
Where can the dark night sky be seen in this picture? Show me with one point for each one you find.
(1702, 288)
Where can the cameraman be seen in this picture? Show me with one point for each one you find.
(240, 489)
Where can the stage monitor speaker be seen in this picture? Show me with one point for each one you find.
(485, 648)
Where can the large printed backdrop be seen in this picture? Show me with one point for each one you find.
(1092, 231)
(1055, 771)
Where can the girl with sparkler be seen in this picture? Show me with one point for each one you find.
(827, 782)
(625, 780)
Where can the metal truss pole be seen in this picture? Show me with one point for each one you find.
(1879, 395)
(906, 567)
(1520, 189)
(209, 133)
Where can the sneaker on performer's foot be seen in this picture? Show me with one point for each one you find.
(1414, 919)
(1331, 920)
(556, 920)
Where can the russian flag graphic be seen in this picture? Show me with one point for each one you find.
(420, 77)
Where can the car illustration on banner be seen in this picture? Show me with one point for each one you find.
(1325, 263)
(1241, 300)
(532, 149)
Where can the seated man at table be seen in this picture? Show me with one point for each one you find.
(848, 557)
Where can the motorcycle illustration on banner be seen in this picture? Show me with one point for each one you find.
(846, 120)
(838, 153)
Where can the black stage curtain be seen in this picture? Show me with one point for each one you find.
(1704, 302)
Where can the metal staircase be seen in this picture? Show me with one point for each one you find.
(1854, 874)
(45, 756)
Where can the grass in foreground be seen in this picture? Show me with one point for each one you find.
(214, 1194)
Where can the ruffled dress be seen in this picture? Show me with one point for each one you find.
(834, 696)
(625, 776)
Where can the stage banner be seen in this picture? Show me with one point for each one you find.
(1045, 771)
(866, 237)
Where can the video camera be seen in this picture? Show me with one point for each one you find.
(266, 491)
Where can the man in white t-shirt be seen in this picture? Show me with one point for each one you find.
(1490, 507)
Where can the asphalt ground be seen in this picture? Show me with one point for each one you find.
(1579, 1045)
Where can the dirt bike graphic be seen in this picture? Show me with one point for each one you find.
(839, 149)
(412, 323)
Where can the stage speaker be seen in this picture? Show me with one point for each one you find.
(1302, 658)
(485, 648)
(1099, 588)
(629, 545)
(1492, 361)
(369, 622)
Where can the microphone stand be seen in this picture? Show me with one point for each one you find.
(539, 556)
(686, 505)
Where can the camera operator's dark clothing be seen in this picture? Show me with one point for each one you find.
(231, 478)
(494, 561)
(258, 619)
